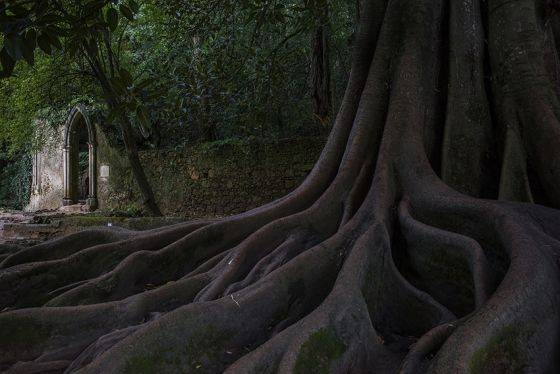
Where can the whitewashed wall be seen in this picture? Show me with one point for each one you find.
(47, 188)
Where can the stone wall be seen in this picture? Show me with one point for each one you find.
(48, 175)
(208, 180)
(211, 180)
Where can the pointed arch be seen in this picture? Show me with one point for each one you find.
(70, 149)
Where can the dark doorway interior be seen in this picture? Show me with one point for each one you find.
(83, 163)
(79, 162)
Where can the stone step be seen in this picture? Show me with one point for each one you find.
(30, 230)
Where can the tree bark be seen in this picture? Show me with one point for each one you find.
(148, 198)
(207, 124)
(320, 64)
(386, 259)
(149, 201)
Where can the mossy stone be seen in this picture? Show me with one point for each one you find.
(319, 352)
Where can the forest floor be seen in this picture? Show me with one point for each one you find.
(27, 228)
(10, 219)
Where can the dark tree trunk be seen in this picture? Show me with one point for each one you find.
(207, 125)
(320, 64)
(375, 263)
(148, 198)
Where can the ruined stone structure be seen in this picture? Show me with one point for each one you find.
(58, 178)
(78, 168)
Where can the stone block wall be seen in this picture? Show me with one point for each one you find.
(207, 180)
(211, 181)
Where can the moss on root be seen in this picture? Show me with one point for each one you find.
(319, 352)
(504, 353)
(146, 364)
(208, 345)
(204, 349)
(155, 362)
(22, 332)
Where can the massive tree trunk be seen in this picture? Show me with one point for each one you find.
(385, 259)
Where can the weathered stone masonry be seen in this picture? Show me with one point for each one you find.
(196, 181)
(206, 182)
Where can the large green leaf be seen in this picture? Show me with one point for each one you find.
(44, 43)
(53, 37)
(126, 77)
(118, 85)
(30, 43)
(143, 84)
(127, 12)
(31, 39)
(112, 18)
(14, 47)
(7, 62)
(134, 6)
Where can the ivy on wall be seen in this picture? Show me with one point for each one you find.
(15, 173)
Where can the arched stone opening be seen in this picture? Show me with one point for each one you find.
(80, 160)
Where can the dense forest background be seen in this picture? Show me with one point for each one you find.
(210, 71)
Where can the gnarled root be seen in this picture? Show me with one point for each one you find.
(374, 264)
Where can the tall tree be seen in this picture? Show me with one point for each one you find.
(321, 93)
(374, 264)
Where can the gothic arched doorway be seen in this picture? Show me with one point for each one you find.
(80, 160)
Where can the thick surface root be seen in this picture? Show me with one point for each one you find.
(386, 259)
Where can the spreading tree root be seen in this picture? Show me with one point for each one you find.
(416, 244)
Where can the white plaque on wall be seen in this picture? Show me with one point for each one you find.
(104, 172)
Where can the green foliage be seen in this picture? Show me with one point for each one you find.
(182, 71)
(42, 92)
(54, 116)
(132, 210)
(210, 71)
(234, 69)
(87, 29)
(83, 160)
(239, 145)
(15, 173)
